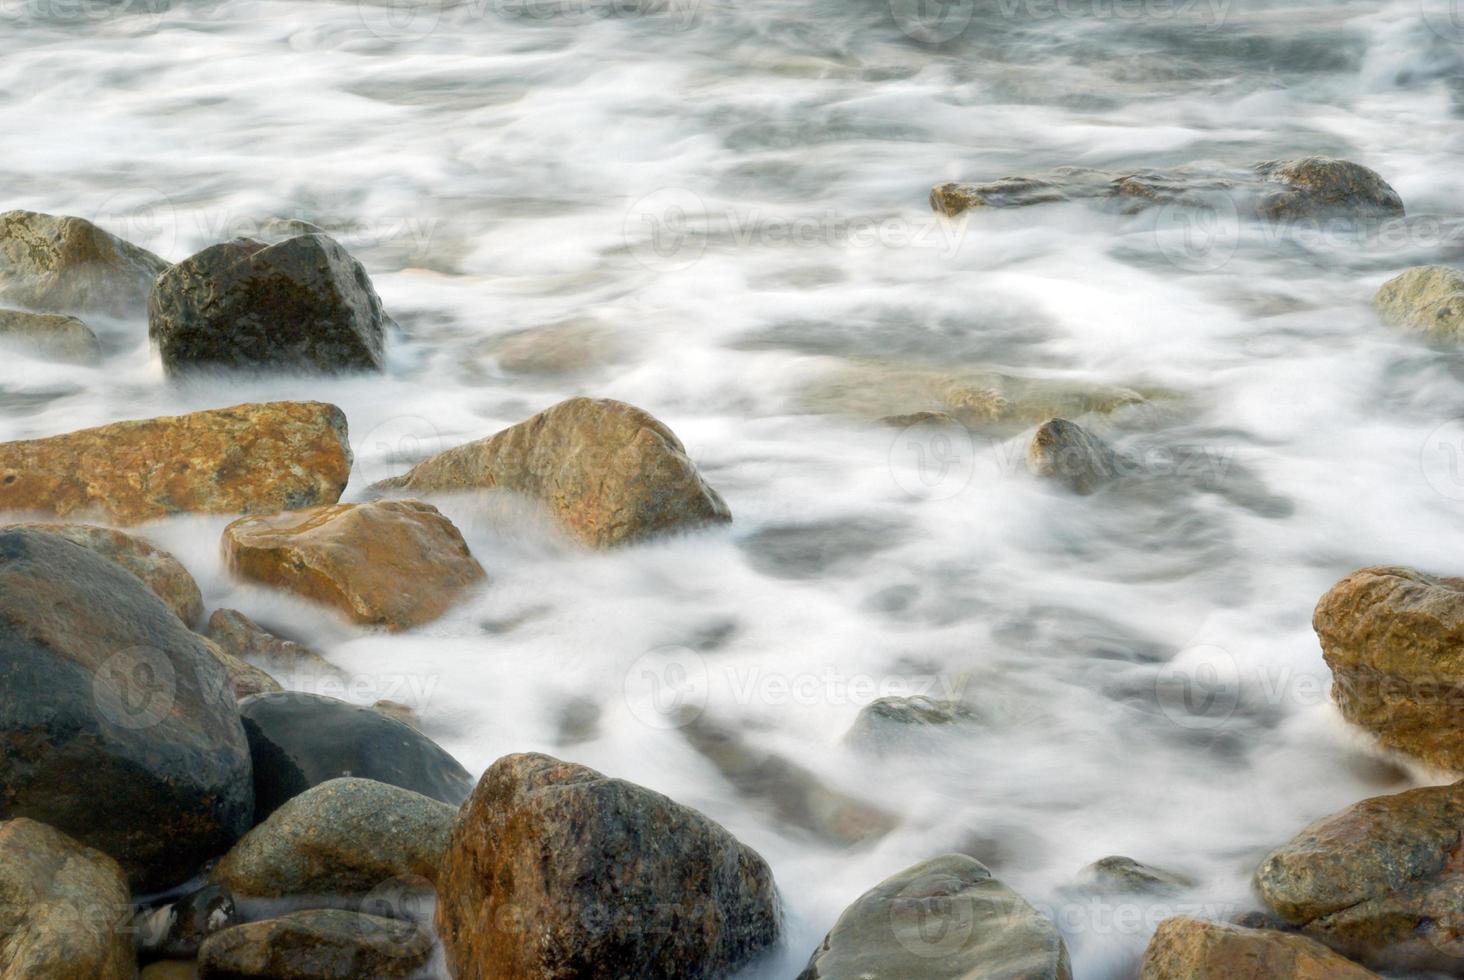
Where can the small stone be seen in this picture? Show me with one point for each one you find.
(894, 723)
(1429, 299)
(50, 335)
(1124, 874)
(320, 944)
(241, 637)
(69, 265)
(178, 928)
(1189, 949)
(1067, 453)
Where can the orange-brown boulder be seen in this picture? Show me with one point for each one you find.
(1192, 949)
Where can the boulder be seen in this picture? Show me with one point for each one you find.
(339, 840)
(116, 726)
(555, 870)
(159, 571)
(943, 918)
(62, 908)
(302, 740)
(895, 723)
(1191, 949)
(69, 265)
(319, 944)
(1394, 638)
(247, 459)
(50, 335)
(392, 563)
(1116, 873)
(303, 304)
(1381, 882)
(1429, 298)
(245, 679)
(1067, 453)
(241, 637)
(609, 472)
(1311, 189)
(176, 929)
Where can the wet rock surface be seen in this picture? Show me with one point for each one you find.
(176, 929)
(242, 637)
(50, 335)
(1428, 299)
(1067, 453)
(1191, 949)
(320, 944)
(69, 265)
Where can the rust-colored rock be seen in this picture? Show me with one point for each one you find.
(609, 472)
(248, 459)
(1191, 949)
(241, 637)
(1394, 638)
(392, 563)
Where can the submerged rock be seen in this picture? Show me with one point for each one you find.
(609, 472)
(245, 679)
(302, 304)
(61, 338)
(302, 740)
(1123, 874)
(555, 870)
(116, 724)
(321, 944)
(1071, 455)
(1191, 949)
(1378, 882)
(61, 908)
(177, 929)
(1429, 298)
(1394, 638)
(943, 918)
(558, 349)
(69, 265)
(392, 563)
(901, 722)
(241, 637)
(257, 458)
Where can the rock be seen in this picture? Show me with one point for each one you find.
(177, 929)
(170, 970)
(1190, 949)
(247, 459)
(555, 870)
(245, 679)
(1123, 874)
(302, 740)
(61, 338)
(558, 349)
(1067, 453)
(339, 840)
(1379, 882)
(392, 563)
(609, 472)
(898, 722)
(943, 918)
(1394, 638)
(69, 265)
(304, 304)
(241, 637)
(321, 944)
(159, 571)
(796, 795)
(398, 711)
(1429, 298)
(1312, 188)
(61, 906)
(116, 726)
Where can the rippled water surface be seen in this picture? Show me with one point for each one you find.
(717, 211)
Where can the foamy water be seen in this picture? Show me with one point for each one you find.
(720, 205)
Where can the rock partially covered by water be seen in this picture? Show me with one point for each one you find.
(242, 637)
(392, 563)
(901, 722)
(555, 870)
(1394, 638)
(609, 472)
(50, 335)
(302, 740)
(1117, 873)
(1429, 298)
(304, 304)
(338, 841)
(320, 944)
(1311, 188)
(176, 929)
(257, 458)
(61, 908)
(1191, 949)
(1071, 455)
(116, 725)
(943, 918)
(1379, 882)
(69, 265)
(245, 679)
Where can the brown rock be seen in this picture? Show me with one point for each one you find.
(557, 871)
(1381, 882)
(1394, 638)
(244, 678)
(62, 908)
(609, 472)
(1429, 298)
(1071, 455)
(247, 459)
(62, 338)
(239, 636)
(316, 945)
(1190, 949)
(392, 563)
(69, 265)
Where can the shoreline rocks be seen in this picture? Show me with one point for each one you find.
(1192, 949)
(62, 264)
(1429, 299)
(319, 944)
(50, 335)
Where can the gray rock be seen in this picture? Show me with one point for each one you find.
(1071, 455)
(321, 944)
(1123, 874)
(1429, 299)
(943, 919)
(61, 338)
(902, 722)
(69, 265)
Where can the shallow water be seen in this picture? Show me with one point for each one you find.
(719, 206)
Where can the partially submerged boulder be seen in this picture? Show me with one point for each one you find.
(116, 725)
(1429, 299)
(245, 679)
(50, 335)
(1117, 873)
(302, 304)
(901, 723)
(242, 637)
(69, 265)
(319, 944)
(609, 472)
(257, 458)
(555, 870)
(1192, 949)
(943, 918)
(392, 563)
(1067, 453)
(62, 908)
